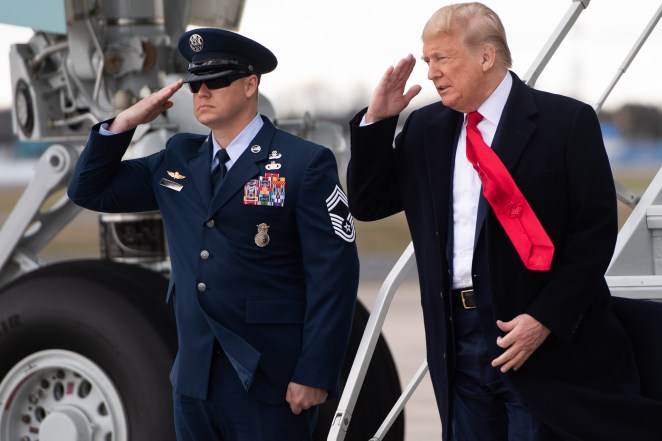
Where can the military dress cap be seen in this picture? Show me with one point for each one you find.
(215, 53)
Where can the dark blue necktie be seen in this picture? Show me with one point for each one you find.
(219, 171)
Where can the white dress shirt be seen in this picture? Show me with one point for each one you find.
(467, 186)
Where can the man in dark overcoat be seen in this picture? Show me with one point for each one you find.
(521, 340)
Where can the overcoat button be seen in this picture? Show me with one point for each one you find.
(202, 287)
(210, 223)
(204, 254)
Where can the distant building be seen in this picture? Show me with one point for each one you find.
(638, 122)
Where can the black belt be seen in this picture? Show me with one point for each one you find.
(463, 298)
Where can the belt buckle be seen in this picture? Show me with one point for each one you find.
(464, 302)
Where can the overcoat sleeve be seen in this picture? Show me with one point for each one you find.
(372, 178)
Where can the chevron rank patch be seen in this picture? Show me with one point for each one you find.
(341, 218)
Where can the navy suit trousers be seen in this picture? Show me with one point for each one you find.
(484, 408)
(232, 414)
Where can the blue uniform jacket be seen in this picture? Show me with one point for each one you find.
(282, 311)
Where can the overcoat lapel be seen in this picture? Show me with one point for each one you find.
(515, 128)
(246, 166)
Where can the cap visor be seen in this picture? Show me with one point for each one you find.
(208, 76)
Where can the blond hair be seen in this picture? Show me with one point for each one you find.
(476, 23)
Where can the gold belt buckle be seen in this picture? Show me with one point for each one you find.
(464, 302)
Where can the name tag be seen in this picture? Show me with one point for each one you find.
(171, 185)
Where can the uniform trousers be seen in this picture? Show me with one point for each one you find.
(231, 414)
(483, 407)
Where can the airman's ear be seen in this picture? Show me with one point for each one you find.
(250, 85)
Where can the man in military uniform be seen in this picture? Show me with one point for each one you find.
(264, 264)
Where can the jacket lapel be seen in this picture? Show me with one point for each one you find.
(200, 166)
(246, 166)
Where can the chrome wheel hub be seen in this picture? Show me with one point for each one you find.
(58, 395)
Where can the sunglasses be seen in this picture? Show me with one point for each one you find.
(216, 83)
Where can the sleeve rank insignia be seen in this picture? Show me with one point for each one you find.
(341, 218)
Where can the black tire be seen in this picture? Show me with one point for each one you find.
(111, 314)
(380, 390)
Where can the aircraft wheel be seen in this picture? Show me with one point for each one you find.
(86, 353)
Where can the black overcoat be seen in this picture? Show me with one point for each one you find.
(582, 381)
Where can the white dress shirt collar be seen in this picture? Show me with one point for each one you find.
(493, 106)
(240, 143)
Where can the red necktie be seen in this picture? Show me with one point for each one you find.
(511, 208)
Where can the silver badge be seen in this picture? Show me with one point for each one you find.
(256, 149)
(274, 155)
(196, 43)
(262, 238)
(273, 165)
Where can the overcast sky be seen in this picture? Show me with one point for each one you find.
(335, 52)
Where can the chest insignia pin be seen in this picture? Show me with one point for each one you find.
(275, 155)
(273, 165)
(176, 175)
(262, 236)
